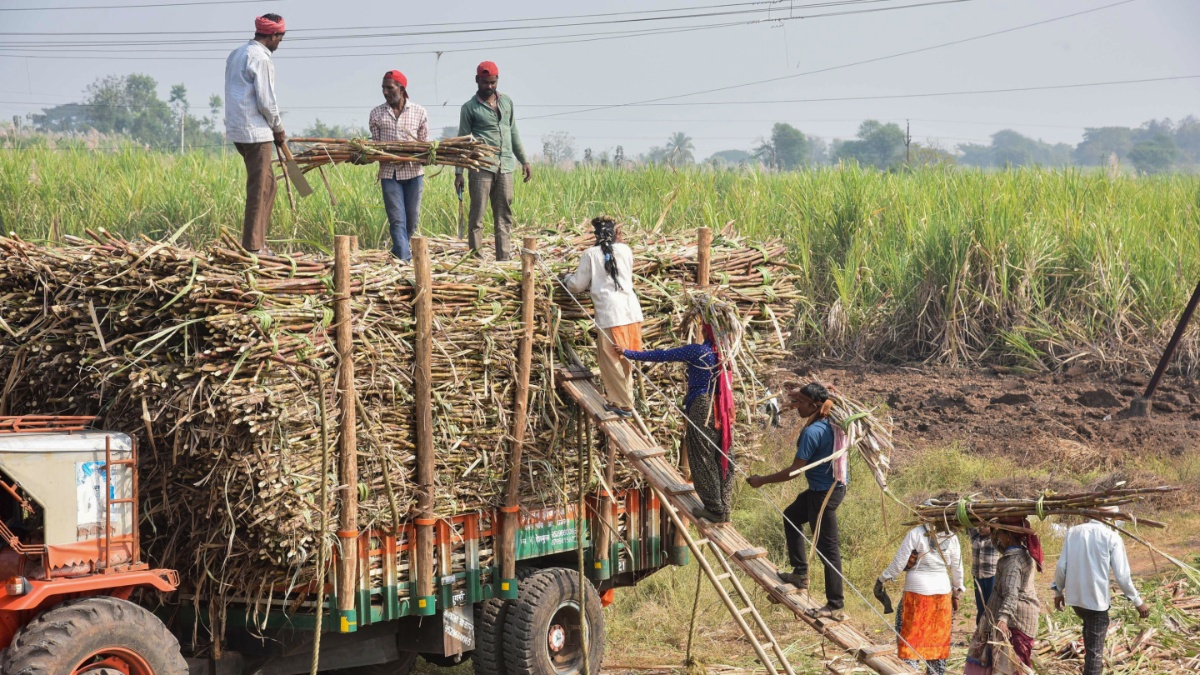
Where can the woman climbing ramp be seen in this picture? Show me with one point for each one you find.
(709, 400)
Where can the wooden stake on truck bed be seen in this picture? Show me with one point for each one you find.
(425, 603)
(679, 548)
(512, 492)
(347, 438)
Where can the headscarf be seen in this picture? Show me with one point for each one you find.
(723, 406)
(1028, 539)
(265, 26)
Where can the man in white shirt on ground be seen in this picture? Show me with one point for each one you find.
(1089, 553)
(253, 123)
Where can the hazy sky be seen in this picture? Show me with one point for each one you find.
(326, 69)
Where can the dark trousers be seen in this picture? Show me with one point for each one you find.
(402, 201)
(983, 592)
(496, 188)
(260, 192)
(805, 509)
(1095, 630)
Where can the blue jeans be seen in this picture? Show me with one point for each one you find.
(983, 593)
(402, 201)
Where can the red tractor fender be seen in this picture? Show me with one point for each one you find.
(17, 610)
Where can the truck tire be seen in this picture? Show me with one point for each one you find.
(402, 666)
(542, 632)
(489, 636)
(488, 655)
(92, 635)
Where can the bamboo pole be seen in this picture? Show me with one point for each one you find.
(423, 392)
(603, 549)
(512, 503)
(703, 255)
(347, 438)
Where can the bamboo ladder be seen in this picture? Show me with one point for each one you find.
(720, 540)
(723, 542)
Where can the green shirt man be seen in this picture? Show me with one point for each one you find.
(488, 116)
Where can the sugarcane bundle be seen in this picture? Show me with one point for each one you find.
(213, 358)
(1104, 505)
(463, 151)
(864, 431)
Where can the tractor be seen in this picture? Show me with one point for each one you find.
(70, 559)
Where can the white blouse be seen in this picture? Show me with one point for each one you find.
(934, 573)
(613, 307)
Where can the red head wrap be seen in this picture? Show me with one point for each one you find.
(396, 76)
(265, 26)
(723, 407)
(1027, 538)
(486, 69)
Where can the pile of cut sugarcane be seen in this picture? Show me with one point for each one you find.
(222, 363)
(967, 512)
(463, 151)
(1168, 645)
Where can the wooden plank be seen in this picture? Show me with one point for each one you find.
(750, 553)
(679, 489)
(641, 455)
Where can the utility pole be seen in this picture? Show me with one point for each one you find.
(907, 142)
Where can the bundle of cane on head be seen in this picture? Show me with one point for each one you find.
(720, 322)
(864, 430)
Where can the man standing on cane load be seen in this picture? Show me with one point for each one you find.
(399, 119)
(1090, 552)
(253, 123)
(488, 116)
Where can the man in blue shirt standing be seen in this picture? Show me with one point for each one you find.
(817, 505)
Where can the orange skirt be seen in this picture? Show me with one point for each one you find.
(628, 336)
(925, 626)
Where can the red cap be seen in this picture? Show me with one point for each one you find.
(487, 68)
(265, 26)
(397, 76)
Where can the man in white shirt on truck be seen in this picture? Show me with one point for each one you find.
(1089, 553)
(253, 123)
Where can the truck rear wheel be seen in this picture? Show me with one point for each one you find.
(543, 634)
(488, 655)
(95, 635)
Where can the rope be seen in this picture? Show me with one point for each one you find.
(788, 521)
(963, 518)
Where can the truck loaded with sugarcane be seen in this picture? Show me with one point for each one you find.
(337, 463)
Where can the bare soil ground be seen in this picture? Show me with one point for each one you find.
(1072, 419)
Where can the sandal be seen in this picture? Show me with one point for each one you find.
(826, 612)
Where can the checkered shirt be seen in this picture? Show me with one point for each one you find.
(1014, 597)
(984, 555)
(411, 125)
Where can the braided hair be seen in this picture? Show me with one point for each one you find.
(606, 234)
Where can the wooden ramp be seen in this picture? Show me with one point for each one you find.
(726, 543)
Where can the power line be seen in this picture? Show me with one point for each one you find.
(492, 29)
(454, 23)
(159, 4)
(856, 63)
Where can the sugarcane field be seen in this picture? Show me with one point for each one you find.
(731, 338)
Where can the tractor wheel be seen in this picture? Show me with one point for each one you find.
(94, 636)
(402, 666)
(543, 633)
